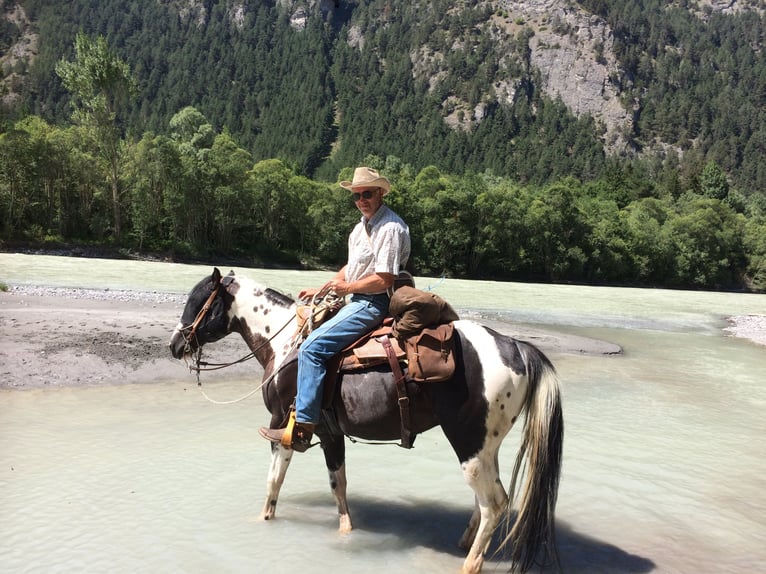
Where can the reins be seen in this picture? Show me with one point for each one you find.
(200, 365)
(323, 295)
(216, 366)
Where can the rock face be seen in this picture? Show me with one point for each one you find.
(300, 10)
(20, 53)
(571, 50)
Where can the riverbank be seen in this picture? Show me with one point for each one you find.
(752, 327)
(56, 337)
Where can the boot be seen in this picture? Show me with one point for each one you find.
(295, 435)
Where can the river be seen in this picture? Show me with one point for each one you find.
(663, 458)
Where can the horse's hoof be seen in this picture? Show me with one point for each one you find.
(269, 513)
(345, 525)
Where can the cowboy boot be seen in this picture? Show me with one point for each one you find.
(295, 435)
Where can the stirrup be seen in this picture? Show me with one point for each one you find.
(288, 437)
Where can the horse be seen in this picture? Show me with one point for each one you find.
(496, 379)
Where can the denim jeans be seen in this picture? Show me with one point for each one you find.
(361, 314)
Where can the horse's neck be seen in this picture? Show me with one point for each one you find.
(266, 321)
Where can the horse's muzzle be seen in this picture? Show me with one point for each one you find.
(179, 346)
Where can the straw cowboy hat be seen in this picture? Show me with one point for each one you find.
(367, 177)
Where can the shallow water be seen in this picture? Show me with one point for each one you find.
(663, 457)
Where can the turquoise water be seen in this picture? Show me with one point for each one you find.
(663, 457)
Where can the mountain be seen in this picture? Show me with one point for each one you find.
(535, 90)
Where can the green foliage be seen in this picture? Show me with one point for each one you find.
(199, 194)
(380, 77)
(100, 84)
(229, 146)
(699, 81)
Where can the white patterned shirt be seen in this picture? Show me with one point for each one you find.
(380, 245)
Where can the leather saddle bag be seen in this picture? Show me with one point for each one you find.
(430, 356)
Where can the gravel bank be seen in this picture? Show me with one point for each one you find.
(751, 327)
(53, 336)
(98, 294)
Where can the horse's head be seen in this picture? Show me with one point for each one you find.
(205, 317)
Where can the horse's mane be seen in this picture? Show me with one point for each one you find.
(278, 298)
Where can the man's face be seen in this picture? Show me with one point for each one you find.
(368, 200)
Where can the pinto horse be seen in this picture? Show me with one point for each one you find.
(496, 380)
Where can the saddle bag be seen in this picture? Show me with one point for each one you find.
(414, 310)
(429, 354)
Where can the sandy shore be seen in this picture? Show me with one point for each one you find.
(66, 337)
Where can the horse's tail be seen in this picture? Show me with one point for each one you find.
(539, 464)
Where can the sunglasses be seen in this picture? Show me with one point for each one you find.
(366, 194)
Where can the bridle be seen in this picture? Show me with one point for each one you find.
(198, 319)
(200, 365)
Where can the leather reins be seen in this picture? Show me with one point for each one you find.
(205, 366)
(201, 314)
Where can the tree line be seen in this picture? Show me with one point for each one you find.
(197, 193)
(379, 77)
(526, 195)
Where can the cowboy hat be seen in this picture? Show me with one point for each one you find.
(367, 177)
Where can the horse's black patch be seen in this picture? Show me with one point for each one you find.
(509, 352)
(460, 405)
(257, 342)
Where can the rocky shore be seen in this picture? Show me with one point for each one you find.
(751, 327)
(63, 337)
(67, 337)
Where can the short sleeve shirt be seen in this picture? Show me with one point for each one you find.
(380, 245)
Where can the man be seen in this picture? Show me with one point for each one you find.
(378, 248)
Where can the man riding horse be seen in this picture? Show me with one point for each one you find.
(378, 249)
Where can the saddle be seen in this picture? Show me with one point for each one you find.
(416, 341)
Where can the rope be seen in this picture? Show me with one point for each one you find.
(432, 287)
(249, 394)
(324, 295)
(231, 402)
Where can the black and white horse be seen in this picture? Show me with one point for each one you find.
(497, 379)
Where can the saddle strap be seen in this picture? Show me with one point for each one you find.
(401, 391)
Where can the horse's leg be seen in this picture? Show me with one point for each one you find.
(335, 457)
(338, 486)
(473, 525)
(481, 473)
(280, 461)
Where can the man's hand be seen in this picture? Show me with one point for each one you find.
(340, 287)
(307, 294)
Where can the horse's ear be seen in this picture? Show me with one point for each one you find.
(216, 277)
(226, 281)
(230, 284)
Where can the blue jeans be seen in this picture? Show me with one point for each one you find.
(361, 314)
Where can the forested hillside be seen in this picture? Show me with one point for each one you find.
(620, 141)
